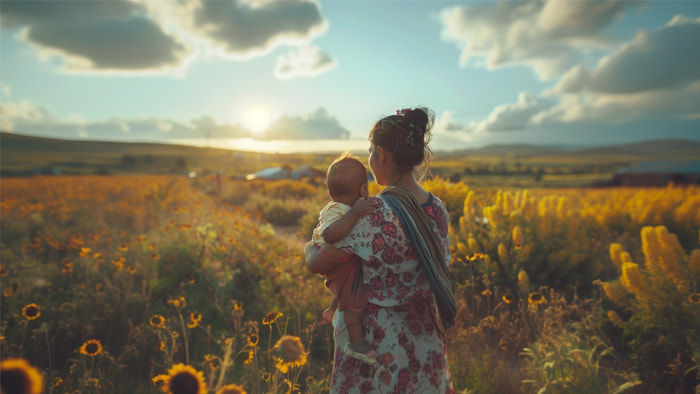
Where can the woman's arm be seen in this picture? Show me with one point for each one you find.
(319, 260)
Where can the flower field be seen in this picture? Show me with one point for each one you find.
(137, 284)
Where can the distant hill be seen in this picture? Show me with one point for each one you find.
(668, 149)
(23, 155)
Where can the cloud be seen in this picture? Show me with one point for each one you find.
(317, 125)
(549, 36)
(94, 35)
(304, 62)
(149, 36)
(246, 29)
(655, 74)
(511, 117)
(445, 124)
(30, 118)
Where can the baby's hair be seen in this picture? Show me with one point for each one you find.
(345, 175)
(406, 135)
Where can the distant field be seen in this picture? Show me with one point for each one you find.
(497, 165)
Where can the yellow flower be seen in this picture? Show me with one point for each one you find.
(162, 346)
(523, 279)
(195, 318)
(11, 290)
(177, 301)
(155, 256)
(31, 311)
(507, 298)
(249, 359)
(3, 271)
(157, 321)
(694, 298)
(486, 292)
(271, 318)
(253, 339)
(536, 298)
(615, 319)
(85, 252)
(232, 389)
(266, 376)
(615, 251)
(132, 270)
(289, 352)
(91, 347)
(124, 246)
(184, 379)
(518, 236)
(615, 292)
(18, 376)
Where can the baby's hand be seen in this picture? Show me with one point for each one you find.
(363, 207)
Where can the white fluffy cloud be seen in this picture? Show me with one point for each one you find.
(303, 62)
(655, 74)
(149, 36)
(547, 35)
(317, 125)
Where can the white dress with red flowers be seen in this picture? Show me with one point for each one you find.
(401, 320)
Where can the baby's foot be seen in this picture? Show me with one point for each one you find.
(328, 315)
(362, 351)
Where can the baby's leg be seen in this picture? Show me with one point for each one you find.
(358, 347)
(328, 313)
(353, 321)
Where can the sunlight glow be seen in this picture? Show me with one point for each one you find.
(256, 118)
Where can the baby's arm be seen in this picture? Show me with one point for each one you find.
(341, 227)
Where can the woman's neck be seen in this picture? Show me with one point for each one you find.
(408, 181)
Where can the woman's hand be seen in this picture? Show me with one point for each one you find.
(320, 260)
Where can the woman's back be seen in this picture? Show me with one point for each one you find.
(402, 321)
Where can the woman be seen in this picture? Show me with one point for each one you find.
(404, 248)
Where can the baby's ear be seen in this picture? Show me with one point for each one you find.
(364, 190)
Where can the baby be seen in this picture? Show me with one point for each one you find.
(346, 180)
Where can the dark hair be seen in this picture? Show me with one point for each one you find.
(345, 175)
(406, 135)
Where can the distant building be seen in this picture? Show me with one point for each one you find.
(658, 173)
(271, 173)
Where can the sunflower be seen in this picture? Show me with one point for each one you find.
(18, 376)
(3, 271)
(694, 298)
(232, 389)
(536, 298)
(91, 347)
(11, 290)
(507, 298)
(486, 292)
(31, 311)
(289, 352)
(266, 376)
(249, 358)
(253, 339)
(124, 246)
(157, 321)
(271, 318)
(184, 379)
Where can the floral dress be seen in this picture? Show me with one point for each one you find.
(401, 320)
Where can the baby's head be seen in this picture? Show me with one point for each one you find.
(346, 179)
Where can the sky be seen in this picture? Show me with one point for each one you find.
(315, 75)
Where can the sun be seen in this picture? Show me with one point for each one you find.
(256, 118)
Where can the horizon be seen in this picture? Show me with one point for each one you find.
(329, 146)
(501, 72)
